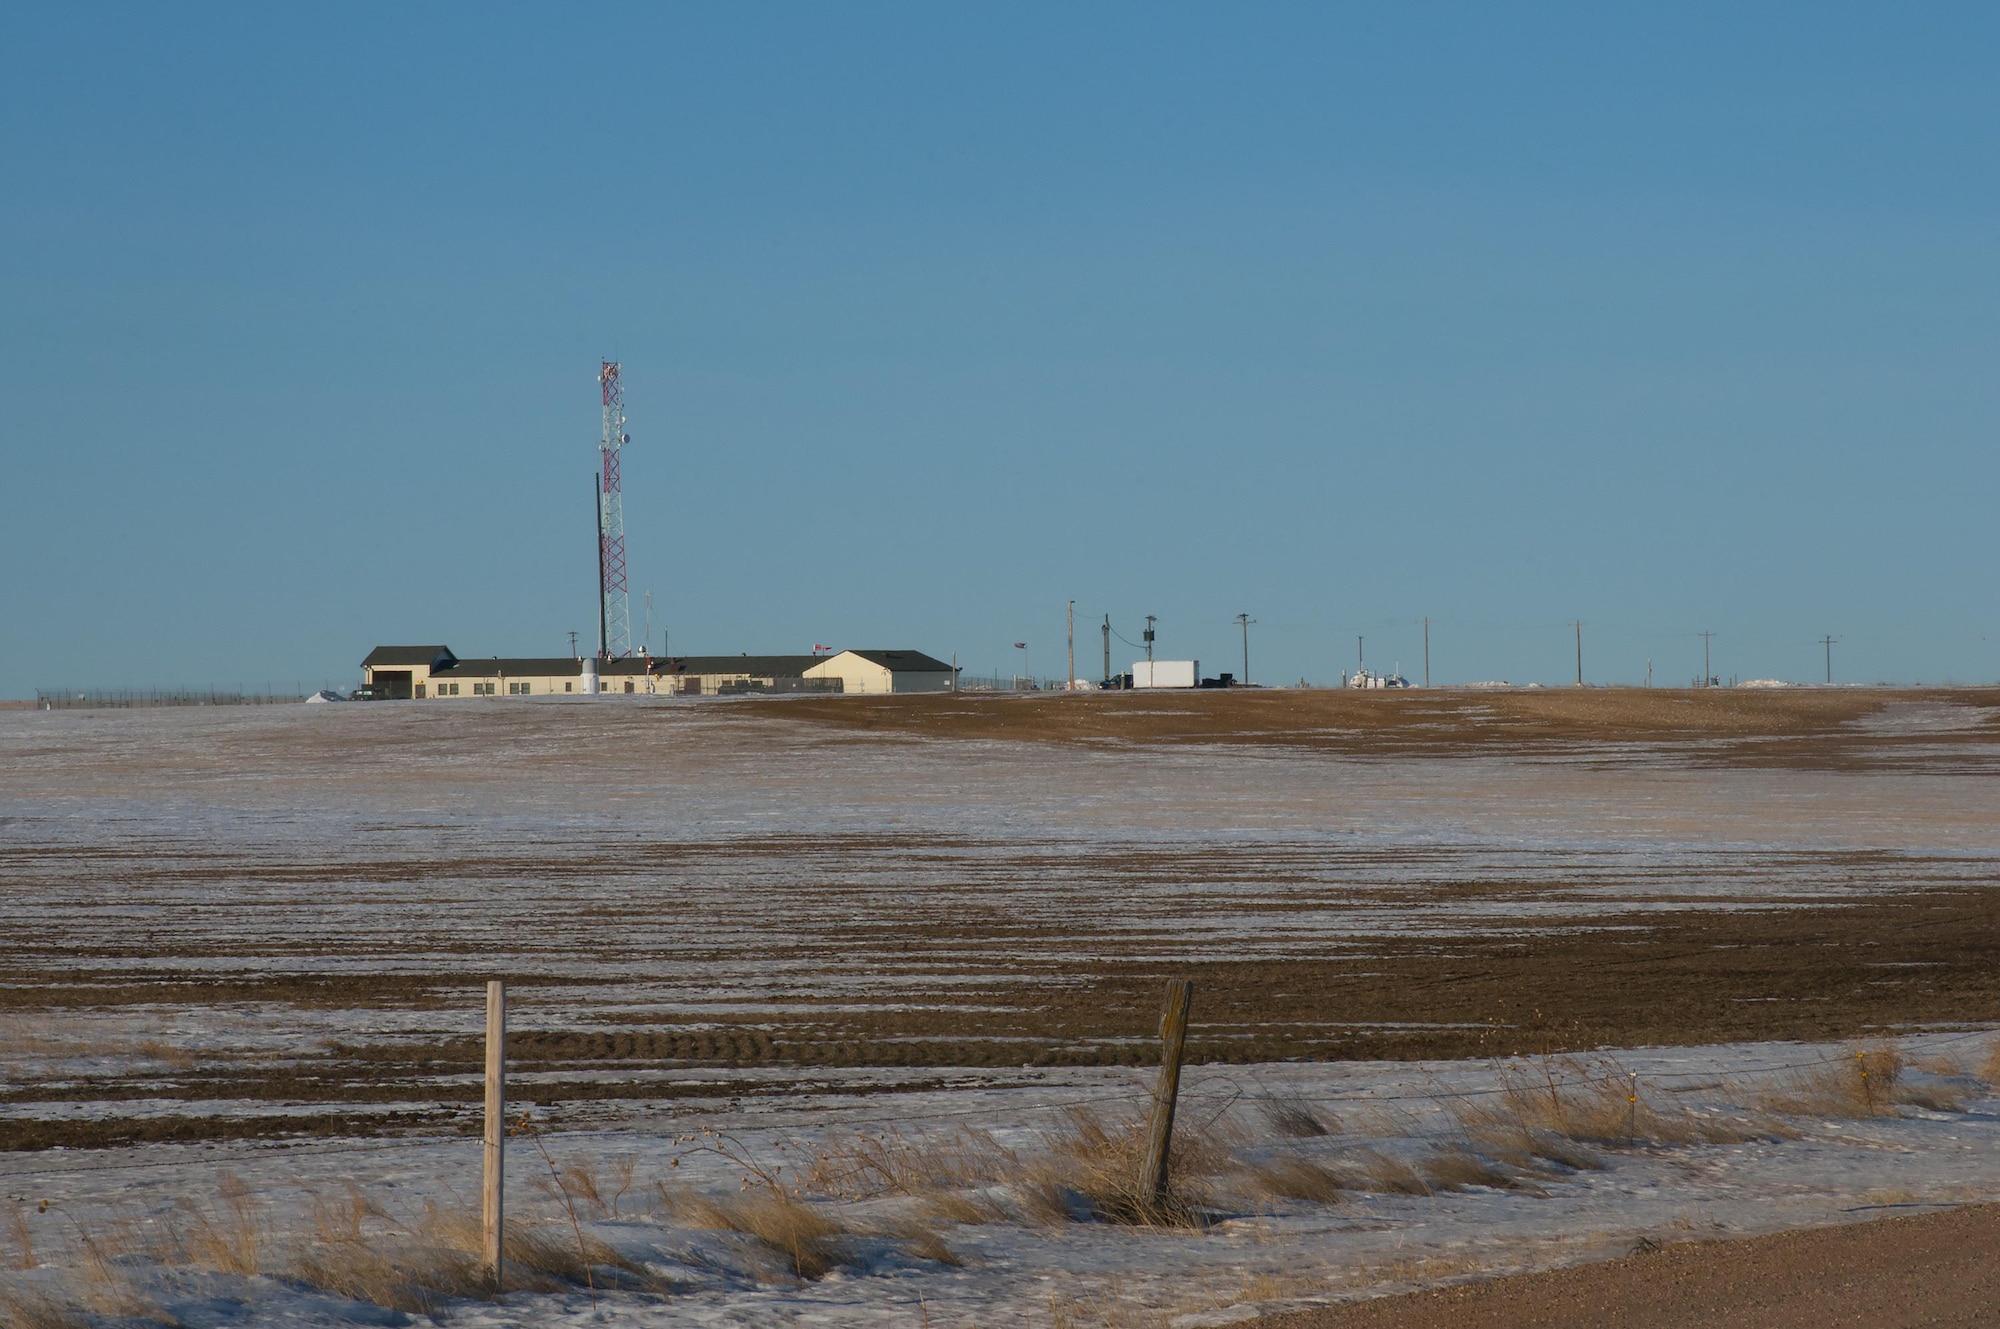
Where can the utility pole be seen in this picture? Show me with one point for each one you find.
(1358, 657)
(1705, 672)
(1427, 652)
(1107, 649)
(1244, 621)
(1649, 671)
(1150, 620)
(1069, 681)
(1578, 625)
(572, 647)
(1827, 642)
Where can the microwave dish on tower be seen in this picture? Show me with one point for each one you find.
(614, 607)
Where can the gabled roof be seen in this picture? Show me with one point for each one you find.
(513, 667)
(405, 657)
(756, 666)
(903, 662)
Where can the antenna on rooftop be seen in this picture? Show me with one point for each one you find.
(614, 605)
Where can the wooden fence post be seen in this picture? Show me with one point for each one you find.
(492, 1193)
(1167, 1088)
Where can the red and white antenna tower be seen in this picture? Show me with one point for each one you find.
(614, 620)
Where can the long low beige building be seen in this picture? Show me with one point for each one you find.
(431, 672)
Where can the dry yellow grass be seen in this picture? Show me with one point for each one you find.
(959, 1207)
(1375, 1171)
(1099, 1161)
(20, 1239)
(1563, 1102)
(1865, 1084)
(1455, 1167)
(228, 1239)
(808, 1240)
(24, 1307)
(858, 1166)
(1287, 1177)
(1294, 1118)
(578, 1178)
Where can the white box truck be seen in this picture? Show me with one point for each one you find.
(1165, 673)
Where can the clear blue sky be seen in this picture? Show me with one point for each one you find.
(935, 317)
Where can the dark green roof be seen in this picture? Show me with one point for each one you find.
(407, 657)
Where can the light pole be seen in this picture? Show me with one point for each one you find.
(1022, 647)
(1244, 621)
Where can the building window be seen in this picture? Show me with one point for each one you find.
(454, 689)
(569, 687)
(628, 685)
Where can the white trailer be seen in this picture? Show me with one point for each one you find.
(1165, 673)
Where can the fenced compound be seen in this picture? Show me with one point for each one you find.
(1007, 683)
(71, 699)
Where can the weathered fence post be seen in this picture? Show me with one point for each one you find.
(1160, 1132)
(492, 1193)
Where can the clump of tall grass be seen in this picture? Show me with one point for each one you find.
(856, 1167)
(1293, 1118)
(1870, 1083)
(229, 1239)
(578, 1178)
(25, 1307)
(1290, 1177)
(1548, 1110)
(806, 1238)
(1094, 1165)
(21, 1238)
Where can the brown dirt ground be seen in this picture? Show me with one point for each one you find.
(951, 978)
(1793, 725)
(1924, 1269)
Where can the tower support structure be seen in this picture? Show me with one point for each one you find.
(614, 604)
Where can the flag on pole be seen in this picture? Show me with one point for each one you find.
(1020, 645)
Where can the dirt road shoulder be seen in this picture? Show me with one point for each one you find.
(1938, 1268)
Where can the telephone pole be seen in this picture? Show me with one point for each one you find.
(1827, 642)
(1244, 621)
(1069, 681)
(1427, 652)
(1148, 638)
(1107, 649)
(1578, 625)
(1706, 673)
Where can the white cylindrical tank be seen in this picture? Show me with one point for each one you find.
(589, 684)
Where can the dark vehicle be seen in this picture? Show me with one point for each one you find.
(368, 693)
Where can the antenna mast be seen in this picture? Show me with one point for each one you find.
(614, 606)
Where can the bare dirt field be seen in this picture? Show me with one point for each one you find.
(1486, 983)
(767, 889)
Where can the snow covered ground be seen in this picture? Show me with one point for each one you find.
(1777, 1164)
(661, 865)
